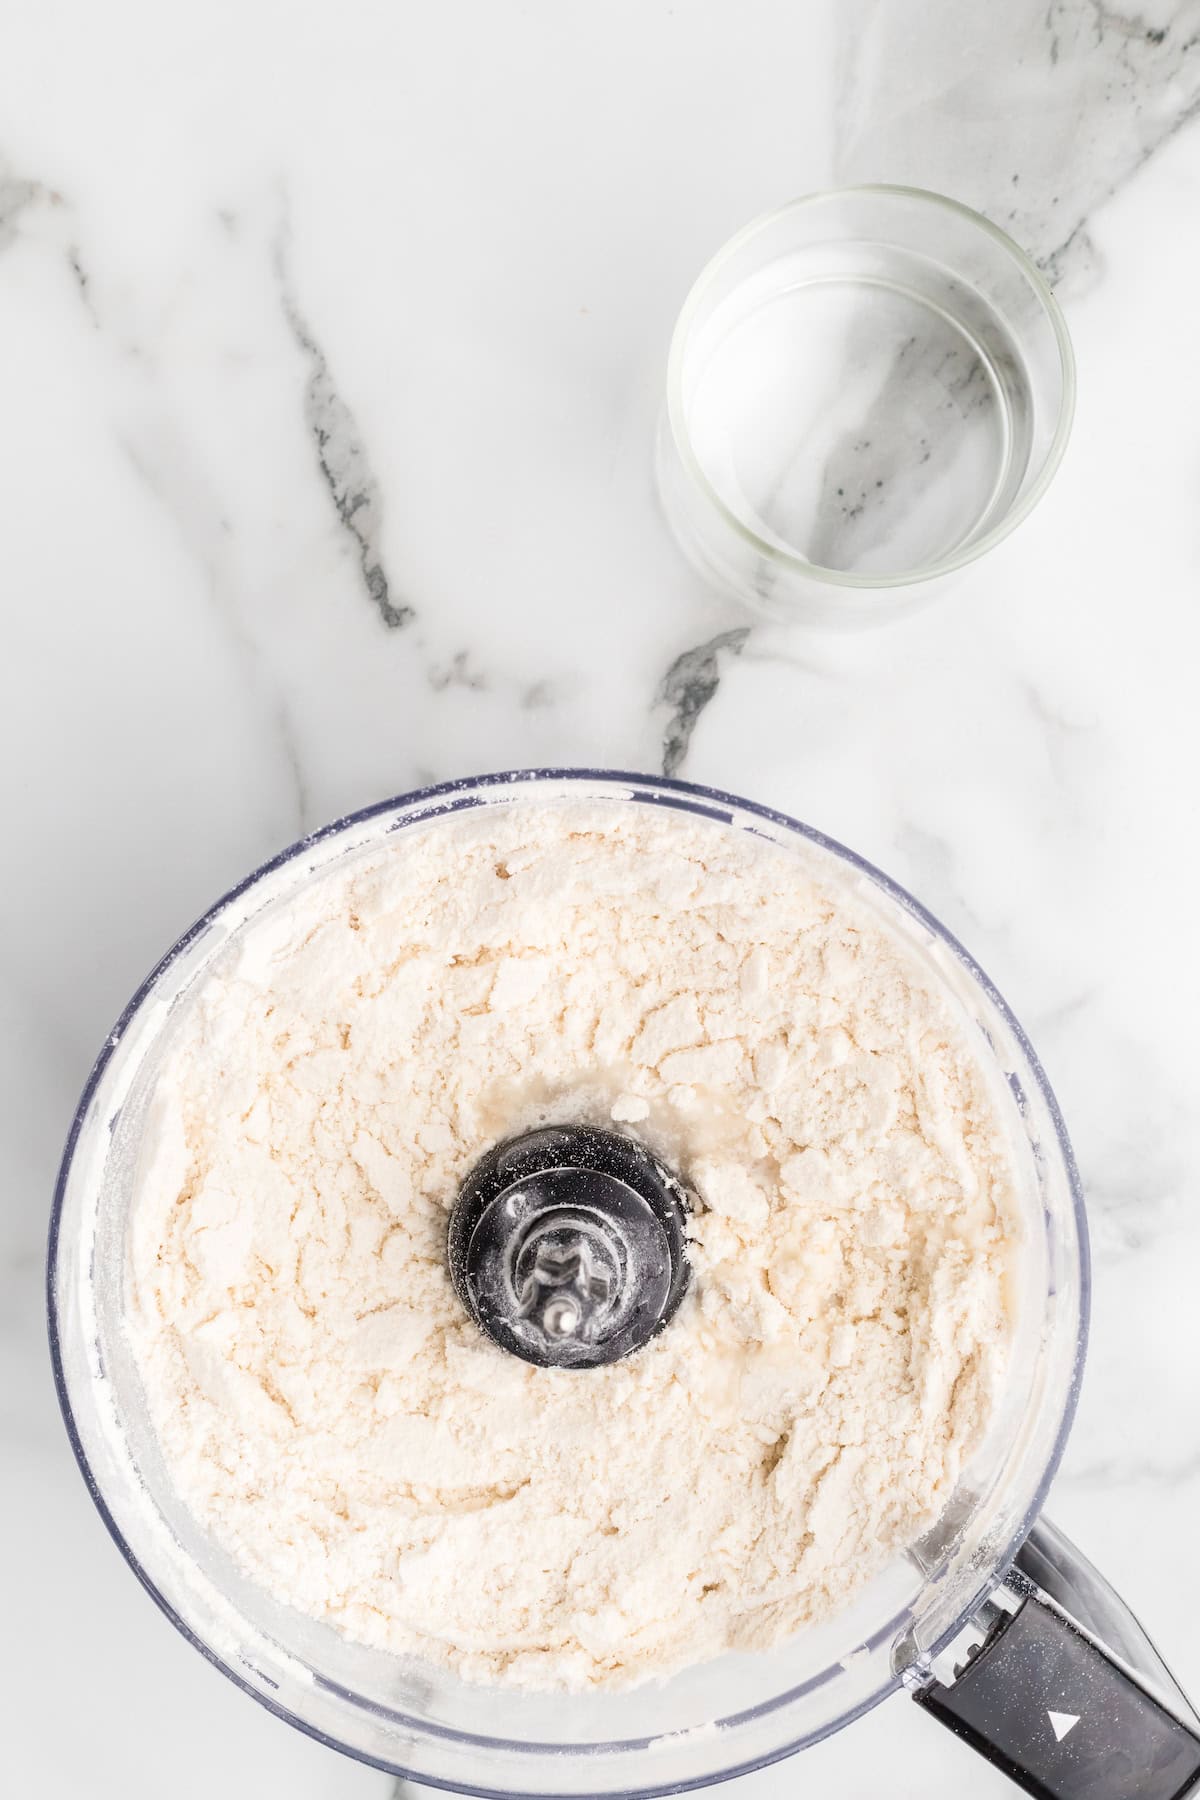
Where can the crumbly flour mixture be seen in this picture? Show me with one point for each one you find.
(325, 1405)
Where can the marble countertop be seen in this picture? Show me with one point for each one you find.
(334, 339)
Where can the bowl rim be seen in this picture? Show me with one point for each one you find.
(439, 800)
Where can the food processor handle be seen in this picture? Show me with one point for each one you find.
(1056, 1683)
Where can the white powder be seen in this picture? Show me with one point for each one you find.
(334, 1418)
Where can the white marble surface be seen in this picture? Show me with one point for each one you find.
(332, 344)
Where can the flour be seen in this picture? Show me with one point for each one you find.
(324, 1404)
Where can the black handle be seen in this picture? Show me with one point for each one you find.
(1062, 1713)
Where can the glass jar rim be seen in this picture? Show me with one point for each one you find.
(778, 555)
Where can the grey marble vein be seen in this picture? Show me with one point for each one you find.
(1043, 110)
(689, 685)
(870, 478)
(1130, 1196)
(342, 457)
(458, 672)
(16, 194)
(1071, 745)
(20, 195)
(83, 282)
(290, 745)
(172, 474)
(1109, 1471)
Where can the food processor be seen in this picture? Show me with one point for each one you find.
(566, 1245)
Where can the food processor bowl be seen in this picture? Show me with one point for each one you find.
(711, 1721)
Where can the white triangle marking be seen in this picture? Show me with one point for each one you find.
(1061, 1723)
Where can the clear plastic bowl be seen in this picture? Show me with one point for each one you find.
(865, 391)
(714, 1720)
